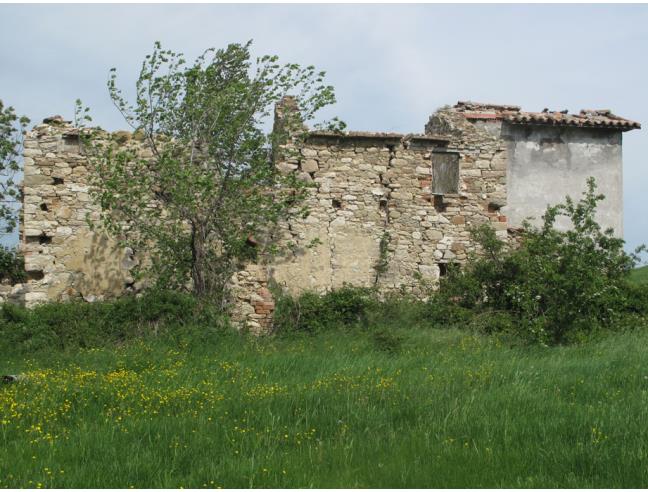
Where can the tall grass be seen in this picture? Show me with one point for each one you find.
(362, 407)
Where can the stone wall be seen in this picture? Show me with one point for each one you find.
(64, 258)
(378, 216)
(373, 187)
(551, 154)
(374, 220)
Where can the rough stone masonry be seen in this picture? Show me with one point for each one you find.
(387, 210)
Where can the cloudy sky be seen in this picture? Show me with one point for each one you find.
(391, 65)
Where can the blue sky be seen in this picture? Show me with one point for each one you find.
(391, 65)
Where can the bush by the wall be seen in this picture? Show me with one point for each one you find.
(635, 298)
(79, 324)
(312, 312)
(558, 285)
(350, 307)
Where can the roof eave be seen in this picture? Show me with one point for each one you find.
(623, 127)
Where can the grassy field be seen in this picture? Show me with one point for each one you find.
(424, 408)
(640, 275)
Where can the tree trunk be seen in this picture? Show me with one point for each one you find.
(197, 260)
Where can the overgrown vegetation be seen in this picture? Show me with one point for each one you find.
(12, 265)
(357, 389)
(393, 392)
(74, 325)
(311, 312)
(382, 264)
(207, 188)
(556, 287)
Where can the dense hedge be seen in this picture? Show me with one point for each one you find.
(81, 324)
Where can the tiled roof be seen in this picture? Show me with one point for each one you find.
(589, 118)
(595, 118)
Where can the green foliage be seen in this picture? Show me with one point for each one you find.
(557, 286)
(392, 310)
(11, 144)
(445, 310)
(209, 184)
(12, 265)
(351, 307)
(635, 298)
(78, 324)
(311, 312)
(492, 322)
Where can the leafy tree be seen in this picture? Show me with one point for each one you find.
(557, 284)
(207, 192)
(11, 144)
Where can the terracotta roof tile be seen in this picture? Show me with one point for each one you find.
(588, 118)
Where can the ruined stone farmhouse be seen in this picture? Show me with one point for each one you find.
(401, 201)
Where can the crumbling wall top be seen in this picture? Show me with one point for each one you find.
(403, 138)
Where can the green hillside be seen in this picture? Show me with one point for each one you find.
(640, 275)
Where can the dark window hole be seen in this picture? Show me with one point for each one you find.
(58, 181)
(493, 207)
(42, 239)
(43, 207)
(446, 266)
(439, 206)
(35, 275)
(336, 203)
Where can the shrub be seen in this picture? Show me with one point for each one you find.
(635, 298)
(362, 307)
(81, 325)
(312, 312)
(445, 309)
(398, 309)
(491, 322)
(558, 285)
(12, 265)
